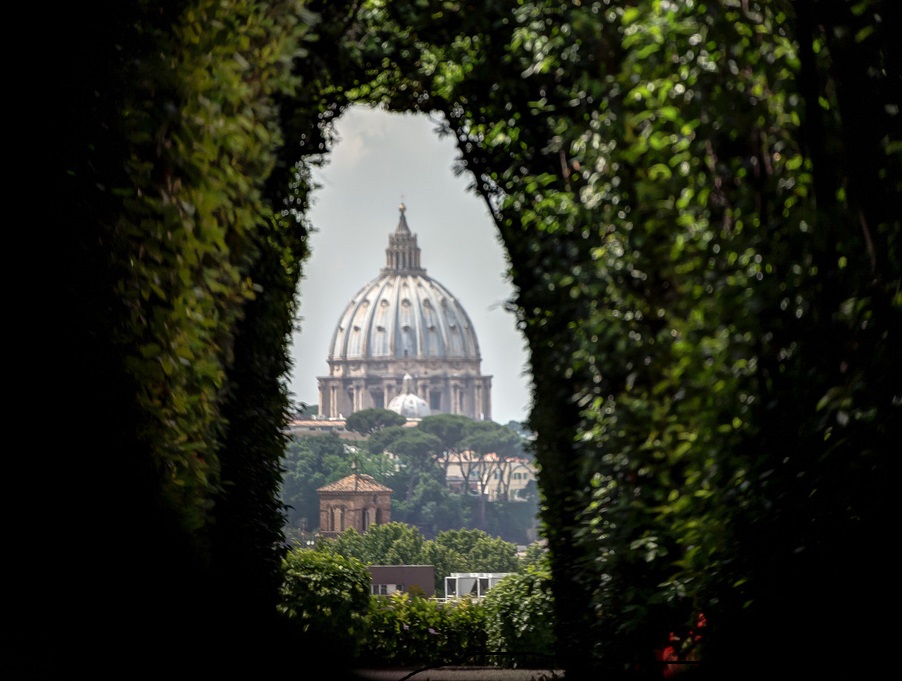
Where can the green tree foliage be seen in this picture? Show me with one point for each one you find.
(521, 430)
(412, 461)
(515, 521)
(449, 429)
(369, 421)
(327, 596)
(416, 452)
(173, 272)
(432, 509)
(374, 546)
(406, 631)
(380, 441)
(485, 437)
(536, 555)
(520, 618)
(380, 466)
(487, 451)
(395, 543)
(481, 552)
(423, 498)
(678, 186)
(436, 439)
(309, 463)
(493, 448)
(469, 550)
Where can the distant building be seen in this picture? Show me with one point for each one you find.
(471, 584)
(356, 501)
(304, 425)
(389, 579)
(405, 324)
(318, 425)
(500, 479)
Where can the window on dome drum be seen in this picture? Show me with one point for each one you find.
(435, 400)
(378, 399)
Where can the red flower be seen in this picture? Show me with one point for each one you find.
(669, 656)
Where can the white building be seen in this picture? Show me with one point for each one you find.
(498, 478)
(471, 584)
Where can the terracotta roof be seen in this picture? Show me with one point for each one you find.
(356, 482)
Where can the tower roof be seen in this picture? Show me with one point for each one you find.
(356, 482)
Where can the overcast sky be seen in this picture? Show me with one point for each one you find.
(381, 160)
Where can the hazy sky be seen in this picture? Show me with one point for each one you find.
(379, 159)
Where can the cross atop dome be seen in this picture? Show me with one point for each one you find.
(402, 222)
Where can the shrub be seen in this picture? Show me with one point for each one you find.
(405, 630)
(519, 613)
(328, 597)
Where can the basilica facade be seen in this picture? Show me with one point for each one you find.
(405, 343)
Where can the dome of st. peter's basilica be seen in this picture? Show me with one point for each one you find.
(405, 325)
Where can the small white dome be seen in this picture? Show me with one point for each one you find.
(408, 404)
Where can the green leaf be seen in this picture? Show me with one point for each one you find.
(659, 171)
